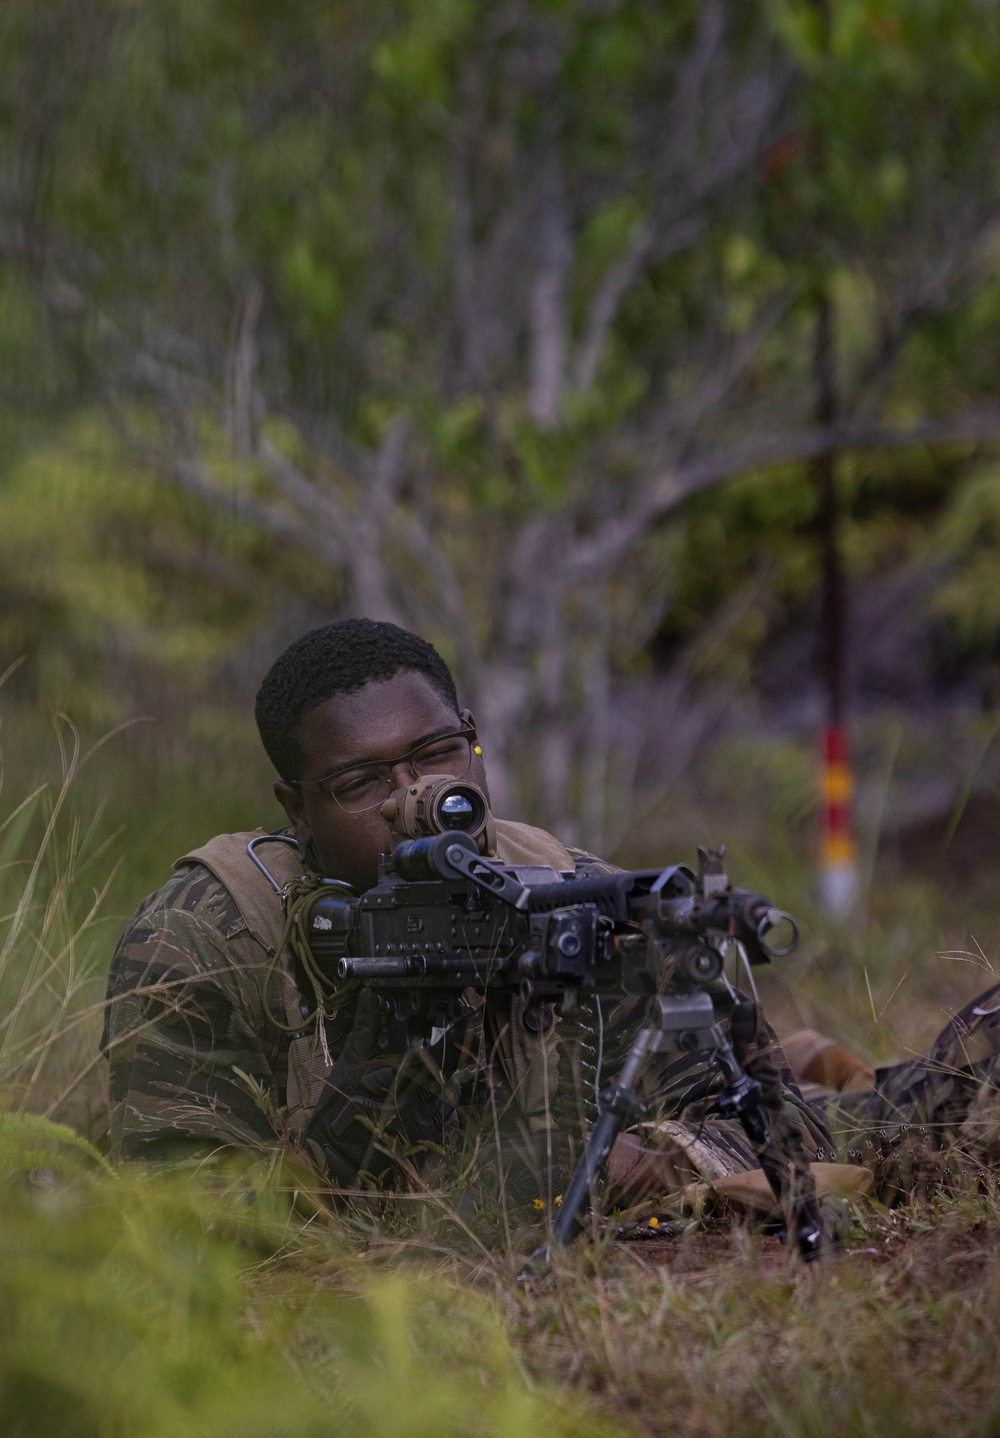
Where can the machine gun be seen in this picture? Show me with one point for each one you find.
(444, 917)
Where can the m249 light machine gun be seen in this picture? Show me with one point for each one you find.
(444, 917)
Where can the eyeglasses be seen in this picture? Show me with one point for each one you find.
(358, 788)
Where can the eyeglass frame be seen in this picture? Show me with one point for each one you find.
(317, 786)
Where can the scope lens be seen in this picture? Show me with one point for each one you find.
(459, 810)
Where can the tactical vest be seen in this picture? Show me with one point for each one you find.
(528, 1059)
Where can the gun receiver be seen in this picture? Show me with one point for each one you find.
(444, 918)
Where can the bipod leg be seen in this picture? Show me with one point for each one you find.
(794, 1191)
(805, 1222)
(619, 1103)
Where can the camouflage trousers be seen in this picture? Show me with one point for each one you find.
(929, 1121)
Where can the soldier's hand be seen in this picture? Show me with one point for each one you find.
(364, 1087)
(361, 1071)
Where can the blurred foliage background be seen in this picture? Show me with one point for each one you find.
(500, 320)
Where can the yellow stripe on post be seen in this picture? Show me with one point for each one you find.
(838, 868)
(838, 848)
(838, 784)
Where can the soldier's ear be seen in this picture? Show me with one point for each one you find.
(467, 717)
(291, 801)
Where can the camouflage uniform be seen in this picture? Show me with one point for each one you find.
(929, 1119)
(207, 1046)
(195, 1053)
(205, 1029)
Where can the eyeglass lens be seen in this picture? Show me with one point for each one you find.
(362, 789)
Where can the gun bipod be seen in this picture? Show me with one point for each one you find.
(680, 1023)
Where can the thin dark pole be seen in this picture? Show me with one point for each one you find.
(833, 617)
(838, 858)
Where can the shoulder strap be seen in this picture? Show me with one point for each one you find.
(589, 866)
(523, 844)
(226, 857)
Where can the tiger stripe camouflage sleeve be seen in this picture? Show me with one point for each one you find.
(197, 1058)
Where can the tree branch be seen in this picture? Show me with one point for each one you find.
(604, 306)
(242, 367)
(315, 507)
(547, 306)
(665, 491)
(195, 477)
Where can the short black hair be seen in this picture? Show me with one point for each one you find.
(337, 659)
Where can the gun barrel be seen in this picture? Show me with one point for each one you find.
(410, 966)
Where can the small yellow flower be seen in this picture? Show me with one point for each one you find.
(654, 1223)
(557, 1200)
(539, 1203)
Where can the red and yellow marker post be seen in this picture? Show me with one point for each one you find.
(838, 854)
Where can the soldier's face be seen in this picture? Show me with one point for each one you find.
(378, 723)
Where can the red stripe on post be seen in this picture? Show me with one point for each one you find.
(836, 749)
(838, 818)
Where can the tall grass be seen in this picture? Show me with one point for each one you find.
(158, 1304)
(205, 1303)
(721, 1334)
(55, 869)
(87, 827)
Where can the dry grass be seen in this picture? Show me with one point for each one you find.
(55, 870)
(722, 1332)
(728, 1335)
(388, 1314)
